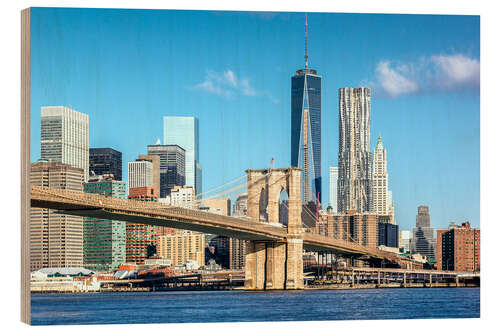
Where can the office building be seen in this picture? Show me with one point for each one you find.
(223, 245)
(404, 240)
(104, 240)
(155, 160)
(105, 161)
(241, 205)
(56, 240)
(172, 166)
(222, 251)
(237, 253)
(230, 251)
(355, 158)
(65, 137)
(381, 203)
(423, 241)
(334, 177)
(458, 248)
(306, 129)
(183, 196)
(140, 173)
(184, 132)
(391, 207)
(141, 239)
(220, 206)
(388, 234)
(351, 226)
(182, 246)
(146, 193)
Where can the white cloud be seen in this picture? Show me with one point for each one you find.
(227, 84)
(230, 78)
(392, 80)
(456, 71)
(246, 89)
(210, 87)
(433, 74)
(271, 98)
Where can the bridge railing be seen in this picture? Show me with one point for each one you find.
(100, 201)
(320, 235)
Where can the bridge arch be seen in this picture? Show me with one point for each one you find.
(264, 190)
(263, 201)
(275, 264)
(283, 207)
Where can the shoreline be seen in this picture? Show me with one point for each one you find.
(322, 287)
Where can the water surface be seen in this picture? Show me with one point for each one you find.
(233, 306)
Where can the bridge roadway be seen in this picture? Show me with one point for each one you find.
(152, 213)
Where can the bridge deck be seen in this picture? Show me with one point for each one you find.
(152, 213)
(98, 206)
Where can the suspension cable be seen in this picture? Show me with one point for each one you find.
(220, 186)
(232, 188)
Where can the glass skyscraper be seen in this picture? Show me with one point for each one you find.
(172, 166)
(105, 161)
(65, 137)
(104, 240)
(306, 129)
(183, 131)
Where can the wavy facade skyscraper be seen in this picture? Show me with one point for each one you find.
(355, 158)
(306, 128)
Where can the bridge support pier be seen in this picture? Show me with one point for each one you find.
(274, 265)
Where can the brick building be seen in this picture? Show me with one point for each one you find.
(458, 248)
(140, 237)
(155, 160)
(361, 228)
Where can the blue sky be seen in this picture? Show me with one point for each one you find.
(128, 68)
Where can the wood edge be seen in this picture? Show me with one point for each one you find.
(25, 163)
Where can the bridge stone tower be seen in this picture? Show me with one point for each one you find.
(274, 265)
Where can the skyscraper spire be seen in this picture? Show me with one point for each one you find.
(305, 56)
(306, 127)
(379, 143)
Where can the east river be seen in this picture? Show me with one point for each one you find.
(234, 306)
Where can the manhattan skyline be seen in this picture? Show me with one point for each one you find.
(232, 70)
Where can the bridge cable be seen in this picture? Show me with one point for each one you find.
(232, 189)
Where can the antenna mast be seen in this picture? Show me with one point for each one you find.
(305, 56)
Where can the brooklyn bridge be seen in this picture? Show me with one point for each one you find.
(274, 252)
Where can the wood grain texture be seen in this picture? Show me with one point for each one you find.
(25, 164)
